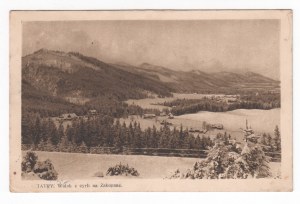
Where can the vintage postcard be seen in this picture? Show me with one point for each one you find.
(197, 100)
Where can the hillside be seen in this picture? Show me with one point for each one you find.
(64, 81)
(202, 82)
(72, 75)
(39, 101)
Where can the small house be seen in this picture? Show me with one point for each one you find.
(68, 116)
(92, 112)
(164, 122)
(217, 126)
(198, 130)
(149, 116)
(170, 116)
(162, 114)
(231, 100)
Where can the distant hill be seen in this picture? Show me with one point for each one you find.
(202, 82)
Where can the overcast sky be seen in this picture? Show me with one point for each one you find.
(208, 45)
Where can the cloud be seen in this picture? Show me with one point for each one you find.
(205, 45)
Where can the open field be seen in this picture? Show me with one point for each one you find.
(150, 102)
(260, 120)
(84, 166)
(186, 123)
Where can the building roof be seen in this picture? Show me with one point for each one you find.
(69, 115)
(149, 114)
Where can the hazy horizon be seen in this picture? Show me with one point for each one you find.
(207, 45)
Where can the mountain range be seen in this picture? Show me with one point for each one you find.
(74, 78)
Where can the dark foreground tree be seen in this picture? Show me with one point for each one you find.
(31, 165)
(121, 169)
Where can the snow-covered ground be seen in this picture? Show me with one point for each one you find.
(70, 166)
(260, 120)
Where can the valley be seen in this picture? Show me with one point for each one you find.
(82, 108)
(56, 83)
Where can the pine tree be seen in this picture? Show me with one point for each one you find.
(277, 138)
(87, 135)
(60, 132)
(126, 136)
(37, 131)
(93, 134)
(63, 145)
(176, 140)
(118, 135)
(186, 139)
(49, 145)
(269, 141)
(25, 129)
(55, 137)
(83, 147)
(154, 138)
(264, 139)
(203, 142)
(147, 138)
(181, 136)
(80, 132)
(166, 132)
(45, 130)
(224, 162)
(198, 142)
(70, 134)
(42, 145)
(192, 144)
(131, 135)
(137, 135)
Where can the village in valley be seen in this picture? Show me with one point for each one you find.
(164, 118)
(84, 118)
(190, 136)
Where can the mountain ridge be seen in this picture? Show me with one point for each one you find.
(78, 79)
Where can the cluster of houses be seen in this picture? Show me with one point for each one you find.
(73, 116)
(163, 114)
(68, 116)
(217, 126)
(165, 122)
(226, 98)
(192, 130)
(149, 116)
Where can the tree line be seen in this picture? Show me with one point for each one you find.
(106, 132)
(251, 101)
(104, 106)
(270, 143)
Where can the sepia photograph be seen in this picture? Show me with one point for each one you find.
(151, 101)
